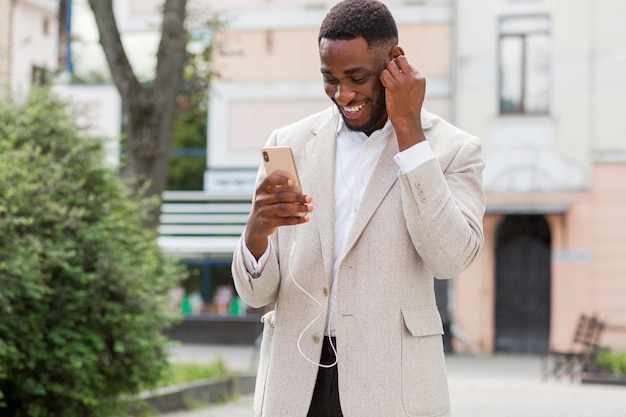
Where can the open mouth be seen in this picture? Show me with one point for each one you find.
(352, 112)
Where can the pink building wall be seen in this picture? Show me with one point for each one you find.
(588, 265)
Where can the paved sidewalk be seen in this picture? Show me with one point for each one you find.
(498, 386)
(511, 386)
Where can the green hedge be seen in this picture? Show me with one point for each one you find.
(613, 361)
(83, 285)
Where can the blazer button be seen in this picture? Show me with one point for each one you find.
(325, 291)
(423, 199)
(316, 339)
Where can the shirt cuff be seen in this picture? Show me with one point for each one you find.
(254, 267)
(416, 155)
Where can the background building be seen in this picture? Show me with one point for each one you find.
(5, 45)
(34, 42)
(542, 83)
(28, 43)
(269, 76)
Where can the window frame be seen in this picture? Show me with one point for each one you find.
(521, 27)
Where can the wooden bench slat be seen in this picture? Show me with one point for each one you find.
(194, 223)
(206, 208)
(207, 230)
(185, 218)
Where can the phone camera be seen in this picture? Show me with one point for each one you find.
(266, 157)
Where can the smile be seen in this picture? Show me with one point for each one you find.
(353, 110)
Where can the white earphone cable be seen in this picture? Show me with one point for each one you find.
(293, 247)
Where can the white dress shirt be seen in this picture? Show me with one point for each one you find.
(356, 158)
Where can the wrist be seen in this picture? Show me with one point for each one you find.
(256, 245)
(407, 139)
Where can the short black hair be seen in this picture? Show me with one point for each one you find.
(369, 19)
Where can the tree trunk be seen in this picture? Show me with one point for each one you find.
(150, 110)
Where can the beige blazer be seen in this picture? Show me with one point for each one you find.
(409, 229)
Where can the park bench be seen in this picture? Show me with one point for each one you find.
(196, 224)
(582, 353)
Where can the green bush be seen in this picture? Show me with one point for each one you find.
(83, 285)
(187, 172)
(181, 373)
(615, 362)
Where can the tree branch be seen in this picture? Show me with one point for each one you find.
(171, 55)
(121, 70)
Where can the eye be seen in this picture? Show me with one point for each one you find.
(359, 80)
(330, 80)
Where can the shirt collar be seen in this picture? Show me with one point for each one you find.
(384, 132)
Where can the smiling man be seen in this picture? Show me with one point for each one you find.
(398, 197)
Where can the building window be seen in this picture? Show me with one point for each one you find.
(39, 75)
(524, 65)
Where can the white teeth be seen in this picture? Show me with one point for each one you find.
(353, 109)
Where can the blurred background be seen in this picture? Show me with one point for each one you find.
(541, 82)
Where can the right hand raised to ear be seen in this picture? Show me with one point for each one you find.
(405, 88)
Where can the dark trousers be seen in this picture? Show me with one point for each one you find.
(325, 401)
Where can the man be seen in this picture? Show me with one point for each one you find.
(398, 200)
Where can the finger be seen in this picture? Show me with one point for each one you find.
(394, 69)
(386, 78)
(281, 214)
(283, 196)
(293, 220)
(292, 210)
(403, 65)
(284, 174)
(293, 198)
(390, 75)
(274, 182)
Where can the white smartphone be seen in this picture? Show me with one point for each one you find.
(280, 158)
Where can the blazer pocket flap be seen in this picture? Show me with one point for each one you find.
(422, 321)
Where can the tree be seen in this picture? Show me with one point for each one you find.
(188, 166)
(84, 284)
(190, 130)
(150, 109)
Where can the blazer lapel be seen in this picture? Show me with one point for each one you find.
(384, 176)
(320, 173)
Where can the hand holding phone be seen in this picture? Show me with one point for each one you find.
(279, 160)
(275, 203)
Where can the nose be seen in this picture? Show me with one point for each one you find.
(343, 95)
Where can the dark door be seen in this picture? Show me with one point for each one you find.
(441, 296)
(523, 285)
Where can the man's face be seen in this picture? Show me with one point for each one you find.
(351, 73)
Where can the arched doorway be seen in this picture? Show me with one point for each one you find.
(523, 285)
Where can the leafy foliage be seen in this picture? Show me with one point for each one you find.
(181, 373)
(613, 361)
(190, 129)
(84, 285)
(187, 172)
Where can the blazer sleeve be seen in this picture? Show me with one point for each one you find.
(444, 204)
(262, 290)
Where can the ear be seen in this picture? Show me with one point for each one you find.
(396, 52)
